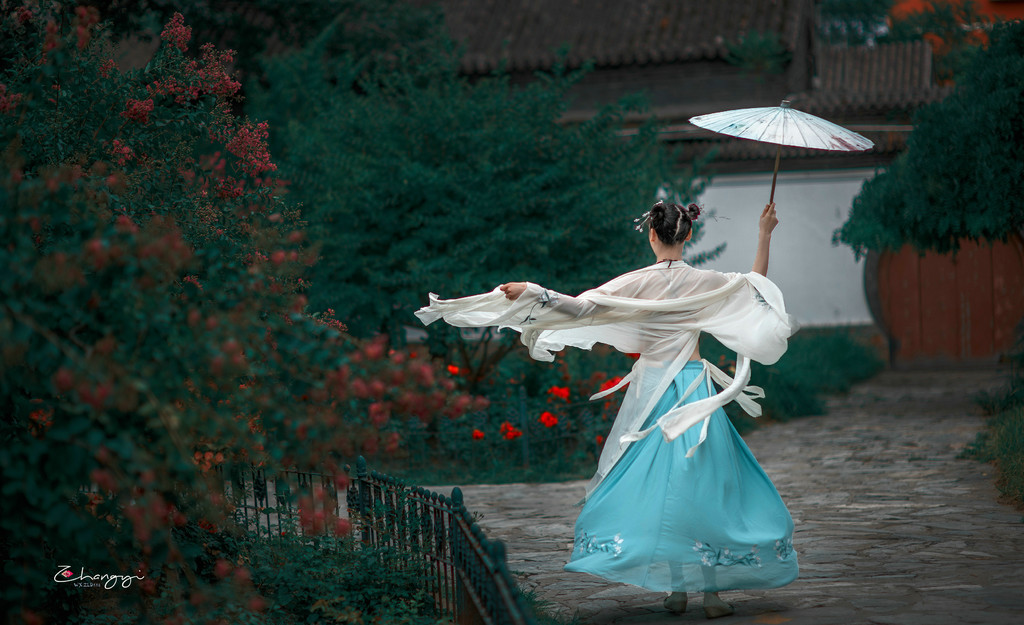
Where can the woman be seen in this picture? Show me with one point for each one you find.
(690, 511)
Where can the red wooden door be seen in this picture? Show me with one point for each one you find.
(952, 308)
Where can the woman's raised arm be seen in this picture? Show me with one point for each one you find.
(766, 224)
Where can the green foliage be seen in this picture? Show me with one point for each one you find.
(419, 179)
(852, 22)
(1002, 440)
(759, 53)
(963, 173)
(335, 581)
(1002, 443)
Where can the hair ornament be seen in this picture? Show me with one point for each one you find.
(641, 221)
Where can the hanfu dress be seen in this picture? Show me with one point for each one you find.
(689, 510)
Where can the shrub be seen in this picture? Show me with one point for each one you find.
(152, 323)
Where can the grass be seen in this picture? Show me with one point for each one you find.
(1002, 440)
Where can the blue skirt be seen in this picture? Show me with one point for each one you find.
(666, 522)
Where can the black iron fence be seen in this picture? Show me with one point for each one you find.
(267, 502)
(466, 572)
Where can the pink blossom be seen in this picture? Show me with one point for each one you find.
(51, 40)
(138, 110)
(121, 152)
(8, 102)
(249, 144)
(106, 67)
(213, 75)
(86, 17)
(176, 33)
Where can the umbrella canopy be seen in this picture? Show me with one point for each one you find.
(783, 125)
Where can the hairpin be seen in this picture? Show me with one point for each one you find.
(641, 221)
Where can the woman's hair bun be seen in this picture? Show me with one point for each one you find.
(673, 222)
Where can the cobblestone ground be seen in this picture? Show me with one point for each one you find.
(890, 526)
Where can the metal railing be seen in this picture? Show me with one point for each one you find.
(466, 572)
(267, 502)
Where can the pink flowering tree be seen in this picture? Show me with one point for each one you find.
(153, 324)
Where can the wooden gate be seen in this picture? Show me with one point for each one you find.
(946, 308)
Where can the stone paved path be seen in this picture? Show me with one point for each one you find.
(891, 527)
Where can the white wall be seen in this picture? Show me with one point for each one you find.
(822, 284)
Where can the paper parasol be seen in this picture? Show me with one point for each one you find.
(783, 125)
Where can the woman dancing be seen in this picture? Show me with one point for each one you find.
(690, 510)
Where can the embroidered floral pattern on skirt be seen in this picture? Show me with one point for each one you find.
(588, 544)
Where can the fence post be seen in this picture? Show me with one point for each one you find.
(524, 426)
(362, 489)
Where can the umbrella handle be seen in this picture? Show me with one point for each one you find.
(778, 153)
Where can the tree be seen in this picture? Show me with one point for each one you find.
(955, 30)
(417, 178)
(962, 175)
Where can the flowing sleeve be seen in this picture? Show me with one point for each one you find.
(753, 320)
(547, 320)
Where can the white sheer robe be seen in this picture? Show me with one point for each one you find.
(658, 312)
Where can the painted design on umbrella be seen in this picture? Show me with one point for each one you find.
(783, 125)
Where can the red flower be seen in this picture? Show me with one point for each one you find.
(549, 420)
(477, 435)
(510, 432)
(561, 392)
(452, 369)
(599, 440)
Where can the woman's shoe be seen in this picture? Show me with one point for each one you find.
(676, 602)
(714, 607)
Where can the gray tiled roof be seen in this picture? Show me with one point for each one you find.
(526, 34)
(873, 79)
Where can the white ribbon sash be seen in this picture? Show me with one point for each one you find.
(682, 416)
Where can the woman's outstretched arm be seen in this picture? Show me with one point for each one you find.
(572, 307)
(767, 223)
